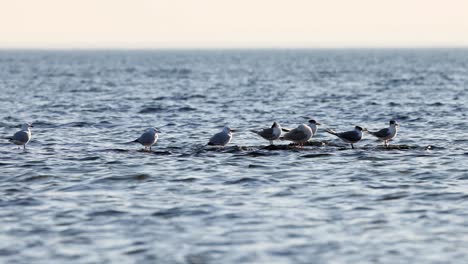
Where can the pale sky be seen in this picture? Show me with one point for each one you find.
(233, 23)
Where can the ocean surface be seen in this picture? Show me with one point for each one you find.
(81, 193)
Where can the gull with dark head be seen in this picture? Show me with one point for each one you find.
(386, 134)
(350, 137)
(313, 125)
(148, 138)
(271, 133)
(299, 135)
(23, 136)
(222, 138)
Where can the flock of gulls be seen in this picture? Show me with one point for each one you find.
(299, 135)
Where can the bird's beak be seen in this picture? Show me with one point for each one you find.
(232, 130)
(318, 124)
(31, 126)
(365, 130)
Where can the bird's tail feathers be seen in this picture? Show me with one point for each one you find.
(328, 130)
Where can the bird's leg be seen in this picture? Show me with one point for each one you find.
(24, 146)
(271, 142)
(352, 146)
(150, 148)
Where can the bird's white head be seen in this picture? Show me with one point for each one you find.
(227, 130)
(313, 125)
(394, 123)
(154, 130)
(360, 129)
(26, 126)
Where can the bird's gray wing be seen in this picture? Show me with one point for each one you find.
(146, 138)
(266, 133)
(20, 136)
(349, 135)
(381, 133)
(219, 139)
(295, 135)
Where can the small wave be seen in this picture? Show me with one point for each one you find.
(152, 109)
(179, 97)
(177, 212)
(242, 181)
(21, 202)
(89, 158)
(133, 177)
(186, 109)
(38, 178)
(77, 124)
(190, 179)
(393, 196)
(109, 212)
(316, 155)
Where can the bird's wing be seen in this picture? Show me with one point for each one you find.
(349, 135)
(295, 135)
(21, 136)
(266, 133)
(219, 139)
(146, 138)
(381, 133)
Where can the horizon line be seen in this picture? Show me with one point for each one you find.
(162, 48)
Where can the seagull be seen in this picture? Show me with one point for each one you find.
(222, 138)
(299, 135)
(351, 137)
(148, 138)
(386, 134)
(270, 134)
(22, 137)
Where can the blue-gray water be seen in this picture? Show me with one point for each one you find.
(80, 193)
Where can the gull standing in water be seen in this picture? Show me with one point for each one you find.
(350, 137)
(148, 138)
(222, 138)
(271, 133)
(386, 134)
(23, 136)
(299, 135)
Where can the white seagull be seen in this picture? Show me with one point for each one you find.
(299, 135)
(23, 136)
(271, 133)
(222, 138)
(148, 138)
(350, 137)
(386, 134)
